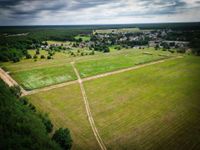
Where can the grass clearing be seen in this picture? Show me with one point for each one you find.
(45, 72)
(66, 43)
(29, 64)
(83, 37)
(155, 107)
(66, 109)
(115, 61)
(37, 78)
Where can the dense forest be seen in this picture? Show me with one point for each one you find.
(22, 127)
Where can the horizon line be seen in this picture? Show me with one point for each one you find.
(99, 24)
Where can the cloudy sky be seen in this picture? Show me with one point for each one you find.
(67, 12)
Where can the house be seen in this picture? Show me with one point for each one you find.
(173, 44)
(154, 43)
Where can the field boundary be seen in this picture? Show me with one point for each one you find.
(88, 111)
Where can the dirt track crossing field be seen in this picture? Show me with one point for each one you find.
(89, 114)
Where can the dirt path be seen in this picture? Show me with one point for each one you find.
(10, 81)
(87, 107)
(51, 87)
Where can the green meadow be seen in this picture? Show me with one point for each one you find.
(118, 60)
(43, 72)
(42, 77)
(66, 109)
(155, 107)
(83, 37)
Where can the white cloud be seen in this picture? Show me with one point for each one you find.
(44, 12)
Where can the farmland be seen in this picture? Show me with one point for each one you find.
(65, 108)
(37, 78)
(45, 72)
(154, 107)
(117, 61)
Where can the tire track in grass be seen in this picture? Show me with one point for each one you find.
(87, 107)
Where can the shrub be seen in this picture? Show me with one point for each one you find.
(37, 52)
(63, 138)
(48, 57)
(181, 50)
(47, 122)
(35, 57)
(15, 90)
(171, 51)
(28, 56)
(92, 53)
(42, 57)
(106, 50)
(15, 59)
(23, 100)
(32, 107)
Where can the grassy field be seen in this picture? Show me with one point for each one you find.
(66, 43)
(83, 37)
(118, 60)
(152, 108)
(44, 72)
(37, 78)
(29, 64)
(66, 109)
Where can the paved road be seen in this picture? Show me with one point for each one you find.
(87, 107)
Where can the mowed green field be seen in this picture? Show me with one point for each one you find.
(83, 37)
(151, 108)
(38, 78)
(118, 60)
(29, 64)
(43, 72)
(66, 109)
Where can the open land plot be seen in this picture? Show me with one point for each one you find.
(29, 64)
(115, 61)
(32, 52)
(59, 58)
(59, 43)
(57, 55)
(66, 109)
(43, 72)
(83, 37)
(37, 78)
(155, 107)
